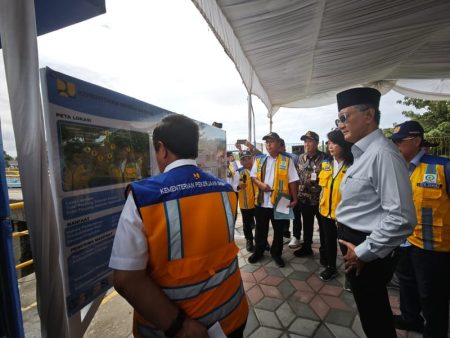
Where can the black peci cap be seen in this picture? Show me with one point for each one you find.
(354, 96)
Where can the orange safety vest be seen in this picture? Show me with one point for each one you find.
(432, 203)
(330, 195)
(280, 180)
(192, 255)
(246, 195)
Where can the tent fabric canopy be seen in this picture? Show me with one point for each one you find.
(301, 53)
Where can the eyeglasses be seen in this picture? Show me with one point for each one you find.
(341, 119)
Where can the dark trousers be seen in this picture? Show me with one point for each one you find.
(297, 222)
(329, 231)
(369, 289)
(308, 213)
(409, 293)
(432, 273)
(248, 219)
(263, 216)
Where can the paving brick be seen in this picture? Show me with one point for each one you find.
(247, 276)
(300, 275)
(266, 332)
(323, 332)
(299, 267)
(304, 327)
(315, 282)
(286, 289)
(340, 317)
(331, 290)
(300, 285)
(270, 304)
(270, 291)
(287, 270)
(248, 285)
(255, 294)
(274, 271)
(319, 306)
(260, 274)
(303, 296)
(272, 280)
(267, 318)
(311, 265)
(302, 310)
(341, 331)
(357, 327)
(250, 267)
(335, 302)
(252, 323)
(285, 314)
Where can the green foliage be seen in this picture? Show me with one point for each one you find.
(434, 116)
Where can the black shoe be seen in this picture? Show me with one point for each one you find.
(328, 274)
(250, 246)
(303, 252)
(402, 324)
(254, 257)
(267, 247)
(278, 261)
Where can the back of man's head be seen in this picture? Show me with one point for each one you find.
(179, 134)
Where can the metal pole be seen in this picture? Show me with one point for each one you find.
(250, 108)
(11, 324)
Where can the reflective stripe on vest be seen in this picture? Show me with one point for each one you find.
(247, 195)
(174, 229)
(432, 204)
(280, 178)
(229, 214)
(216, 315)
(226, 308)
(330, 195)
(190, 291)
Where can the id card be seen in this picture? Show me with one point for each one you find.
(313, 176)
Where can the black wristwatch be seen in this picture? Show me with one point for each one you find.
(176, 324)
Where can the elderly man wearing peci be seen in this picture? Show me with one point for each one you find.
(376, 212)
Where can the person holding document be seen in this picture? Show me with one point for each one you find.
(276, 178)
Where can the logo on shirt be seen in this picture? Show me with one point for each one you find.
(196, 176)
(430, 178)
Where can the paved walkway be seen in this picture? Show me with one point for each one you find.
(294, 302)
(284, 302)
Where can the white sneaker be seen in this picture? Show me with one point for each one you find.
(294, 243)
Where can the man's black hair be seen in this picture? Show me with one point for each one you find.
(179, 134)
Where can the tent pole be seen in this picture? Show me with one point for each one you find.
(250, 108)
(270, 123)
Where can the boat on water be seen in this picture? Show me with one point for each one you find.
(13, 178)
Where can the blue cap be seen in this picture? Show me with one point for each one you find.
(407, 129)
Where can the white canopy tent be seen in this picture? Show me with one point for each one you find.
(290, 53)
(299, 54)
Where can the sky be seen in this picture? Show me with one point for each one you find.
(163, 52)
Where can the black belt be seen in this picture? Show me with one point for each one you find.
(352, 231)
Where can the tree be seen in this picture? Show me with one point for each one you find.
(7, 157)
(435, 119)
